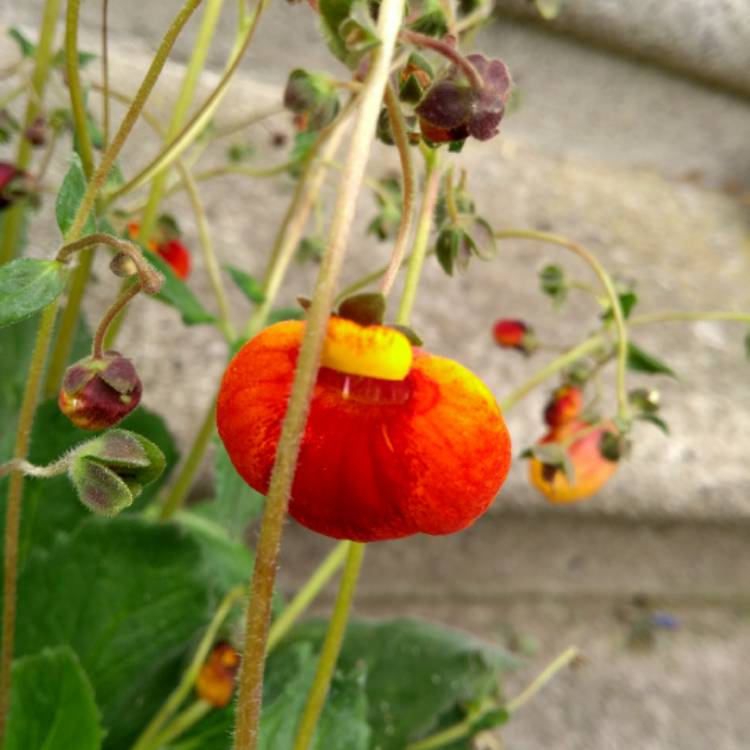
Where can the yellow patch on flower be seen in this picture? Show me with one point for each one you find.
(370, 351)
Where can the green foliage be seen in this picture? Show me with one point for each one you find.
(416, 673)
(641, 361)
(247, 284)
(52, 704)
(25, 46)
(554, 284)
(628, 300)
(366, 309)
(176, 293)
(129, 598)
(27, 286)
(348, 28)
(69, 198)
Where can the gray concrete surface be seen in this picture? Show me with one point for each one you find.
(649, 170)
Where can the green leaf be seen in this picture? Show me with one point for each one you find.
(176, 293)
(26, 47)
(332, 15)
(641, 361)
(367, 308)
(554, 284)
(628, 301)
(248, 285)
(439, 673)
(52, 704)
(28, 285)
(236, 503)
(656, 421)
(747, 345)
(69, 198)
(130, 598)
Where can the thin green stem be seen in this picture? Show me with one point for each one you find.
(42, 60)
(455, 732)
(131, 289)
(550, 671)
(184, 480)
(450, 197)
(282, 476)
(80, 276)
(180, 108)
(623, 408)
(201, 118)
(31, 470)
(252, 119)
(401, 139)
(421, 237)
(329, 653)
(209, 255)
(303, 598)
(13, 506)
(190, 675)
(181, 723)
(77, 106)
(586, 347)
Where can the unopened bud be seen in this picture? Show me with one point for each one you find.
(123, 265)
(565, 404)
(215, 683)
(514, 334)
(98, 392)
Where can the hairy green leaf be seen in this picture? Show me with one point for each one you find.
(28, 285)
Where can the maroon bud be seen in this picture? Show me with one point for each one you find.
(14, 184)
(99, 392)
(454, 109)
(36, 133)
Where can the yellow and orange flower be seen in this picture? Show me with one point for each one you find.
(397, 442)
(215, 683)
(591, 469)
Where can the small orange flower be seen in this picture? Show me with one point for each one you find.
(514, 334)
(397, 442)
(215, 683)
(172, 250)
(591, 469)
(566, 404)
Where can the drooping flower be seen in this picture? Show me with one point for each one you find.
(591, 469)
(215, 683)
(397, 442)
(514, 334)
(97, 392)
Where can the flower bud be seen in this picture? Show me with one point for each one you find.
(514, 334)
(14, 184)
(36, 133)
(98, 392)
(215, 683)
(313, 96)
(565, 404)
(109, 471)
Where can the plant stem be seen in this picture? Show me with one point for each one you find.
(77, 106)
(42, 59)
(448, 51)
(623, 409)
(209, 256)
(181, 723)
(13, 508)
(31, 470)
(401, 139)
(455, 732)
(549, 672)
(422, 236)
(329, 653)
(190, 675)
(130, 290)
(197, 60)
(105, 75)
(184, 480)
(95, 184)
(282, 477)
(302, 599)
(573, 354)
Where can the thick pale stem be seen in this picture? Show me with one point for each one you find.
(329, 653)
(256, 633)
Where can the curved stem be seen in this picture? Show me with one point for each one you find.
(30, 470)
(197, 60)
(329, 653)
(119, 304)
(80, 276)
(13, 506)
(209, 255)
(77, 107)
(623, 409)
(446, 50)
(302, 599)
(190, 675)
(422, 236)
(282, 476)
(401, 138)
(42, 60)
